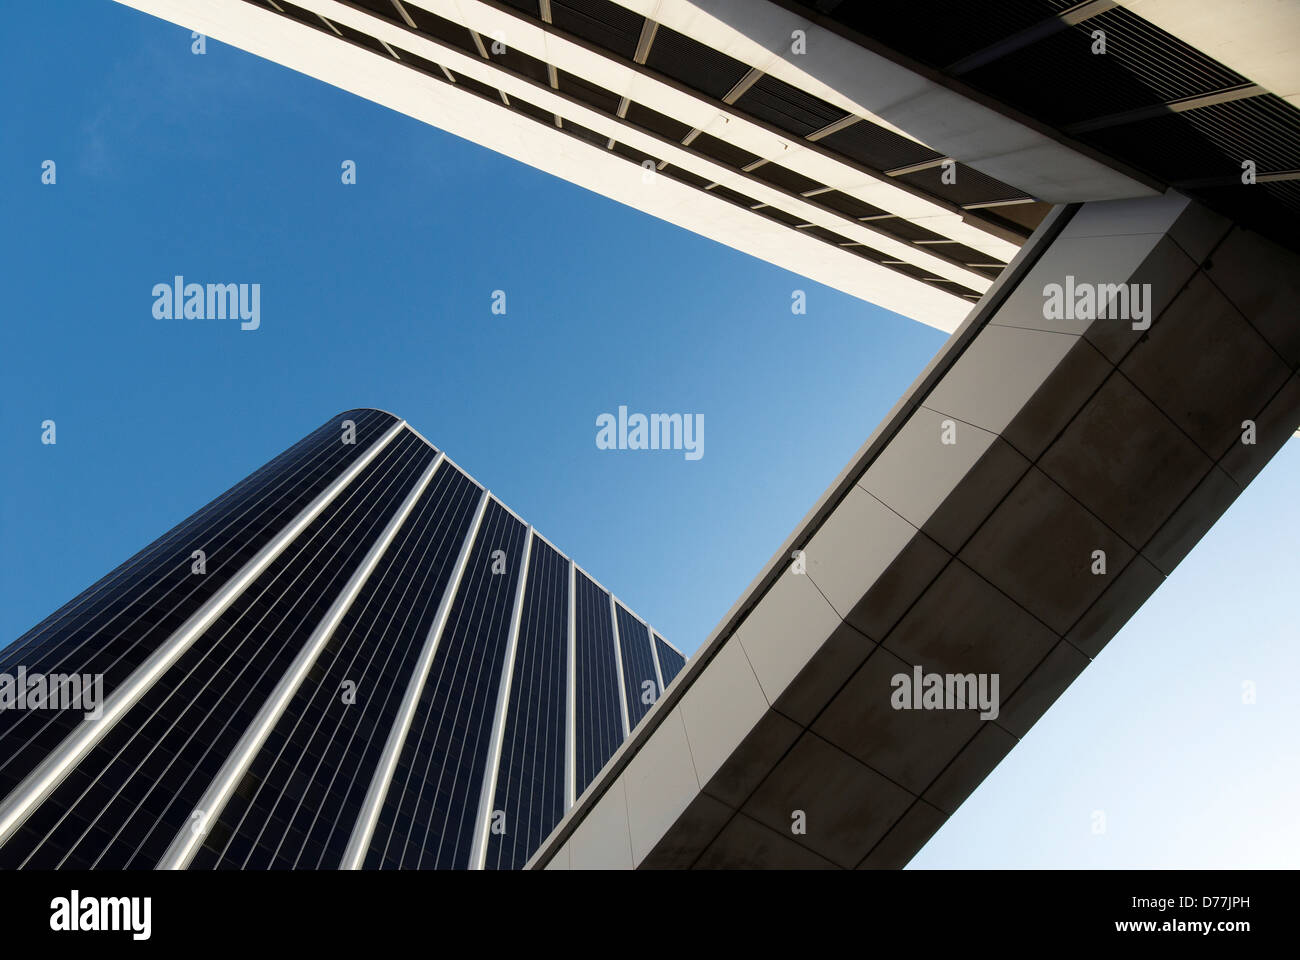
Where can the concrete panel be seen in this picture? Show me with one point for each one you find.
(906, 837)
(741, 773)
(814, 685)
(784, 630)
(1061, 395)
(854, 546)
(1049, 679)
(847, 807)
(1023, 384)
(660, 782)
(745, 844)
(972, 765)
(1037, 548)
(1274, 426)
(1126, 592)
(898, 586)
(1191, 366)
(973, 499)
(1262, 280)
(1119, 218)
(1191, 521)
(918, 470)
(1125, 461)
(1199, 231)
(684, 842)
(1162, 276)
(1152, 258)
(721, 708)
(910, 747)
(963, 624)
(603, 840)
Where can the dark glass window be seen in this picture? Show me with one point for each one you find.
(670, 661)
(432, 805)
(168, 747)
(116, 624)
(599, 720)
(530, 779)
(310, 779)
(640, 683)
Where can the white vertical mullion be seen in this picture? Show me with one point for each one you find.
(654, 652)
(492, 765)
(618, 662)
(571, 704)
(368, 816)
(214, 799)
(38, 784)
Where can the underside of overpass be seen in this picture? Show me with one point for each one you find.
(1039, 481)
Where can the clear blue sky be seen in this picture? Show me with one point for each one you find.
(225, 168)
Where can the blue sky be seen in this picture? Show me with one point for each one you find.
(225, 168)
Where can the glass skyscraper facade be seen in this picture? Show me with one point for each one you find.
(356, 657)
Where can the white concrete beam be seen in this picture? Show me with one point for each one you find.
(386, 82)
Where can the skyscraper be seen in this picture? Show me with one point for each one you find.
(357, 656)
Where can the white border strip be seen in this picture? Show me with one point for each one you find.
(38, 784)
(618, 662)
(213, 801)
(364, 828)
(571, 704)
(492, 766)
(654, 652)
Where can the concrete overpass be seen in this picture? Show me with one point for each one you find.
(1116, 256)
(1086, 460)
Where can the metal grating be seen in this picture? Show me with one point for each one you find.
(583, 133)
(964, 254)
(694, 64)
(786, 107)
(846, 204)
(523, 6)
(1056, 80)
(361, 39)
(942, 30)
(657, 123)
(633, 154)
(442, 29)
(906, 231)
(1142, 67)
(476, 86)
(722, 151)
(685, 176)
(734, 196)
(536, 112)
(419, 63)
(971, 186)
(1265, 129)
(780, 216)
(830, 236)
(779, 176)
(517, 62)
(876, 148)
(593, 96)
(600, 22)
